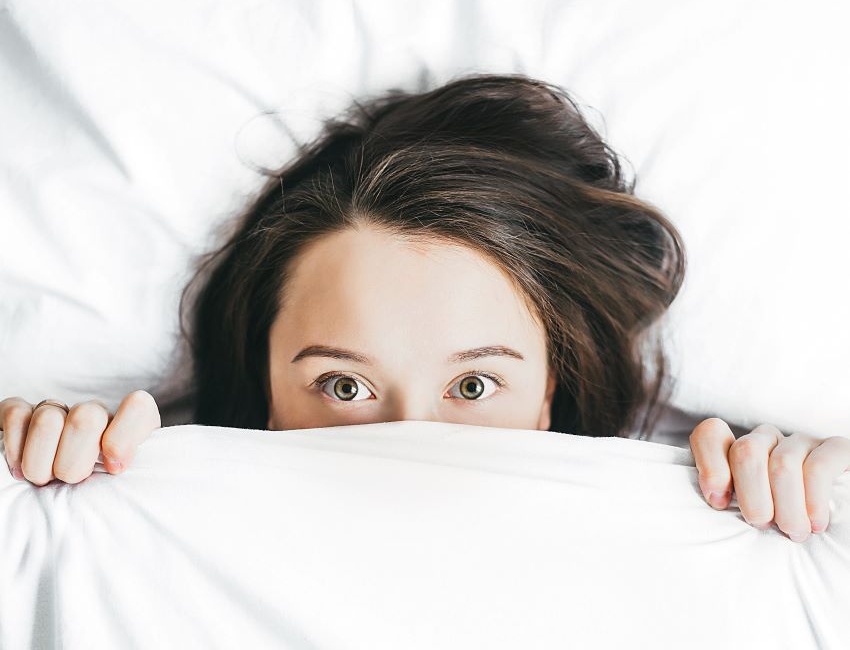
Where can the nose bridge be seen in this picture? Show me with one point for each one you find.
(411, 406)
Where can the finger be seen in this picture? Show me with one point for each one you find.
(785, 471)
(710, 443)
(136, 418)
(823, 465)
(79, 443)
(748, 460)
(15, 414)
(42, 439)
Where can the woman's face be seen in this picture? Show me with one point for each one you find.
(374, 328)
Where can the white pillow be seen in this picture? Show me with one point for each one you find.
(131, 132)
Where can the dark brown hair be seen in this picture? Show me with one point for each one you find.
(503, 164)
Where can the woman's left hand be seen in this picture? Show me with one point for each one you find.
(786, 479)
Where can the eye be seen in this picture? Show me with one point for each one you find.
(343, 388)
(475, 387)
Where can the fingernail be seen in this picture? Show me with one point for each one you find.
(17, 473)
(818, 526)
(798, 537)
(116, 464)
(718, 499)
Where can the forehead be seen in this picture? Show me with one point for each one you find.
(368, 287)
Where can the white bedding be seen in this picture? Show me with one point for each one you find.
(131, 131)
(408, 535)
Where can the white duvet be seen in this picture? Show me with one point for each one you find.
(408, 535)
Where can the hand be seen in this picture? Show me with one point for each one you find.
(786, 479)
(45, 443)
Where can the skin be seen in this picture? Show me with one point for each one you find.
(407, 371)
(396, 320)
(46, 443)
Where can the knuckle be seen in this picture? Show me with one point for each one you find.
(781, 466)
(745, 451)
(840, 443)
(47, 418)
(87, 414)
(708, 428)
(9, 402)
(139, 398)
(766, 427)
(145, 406)
(17, 411)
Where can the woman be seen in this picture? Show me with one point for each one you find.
(472, 254)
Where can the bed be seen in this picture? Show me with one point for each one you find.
(133, 132)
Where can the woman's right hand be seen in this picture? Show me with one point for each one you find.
(46, 443)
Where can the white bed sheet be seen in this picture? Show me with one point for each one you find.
(408, 535)
(131, 131)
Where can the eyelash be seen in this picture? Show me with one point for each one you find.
(319, 382)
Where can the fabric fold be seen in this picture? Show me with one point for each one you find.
(408, 534)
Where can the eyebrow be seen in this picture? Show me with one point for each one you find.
(457, 357)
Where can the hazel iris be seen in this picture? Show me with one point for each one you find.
(471, 387)
(345, 388)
